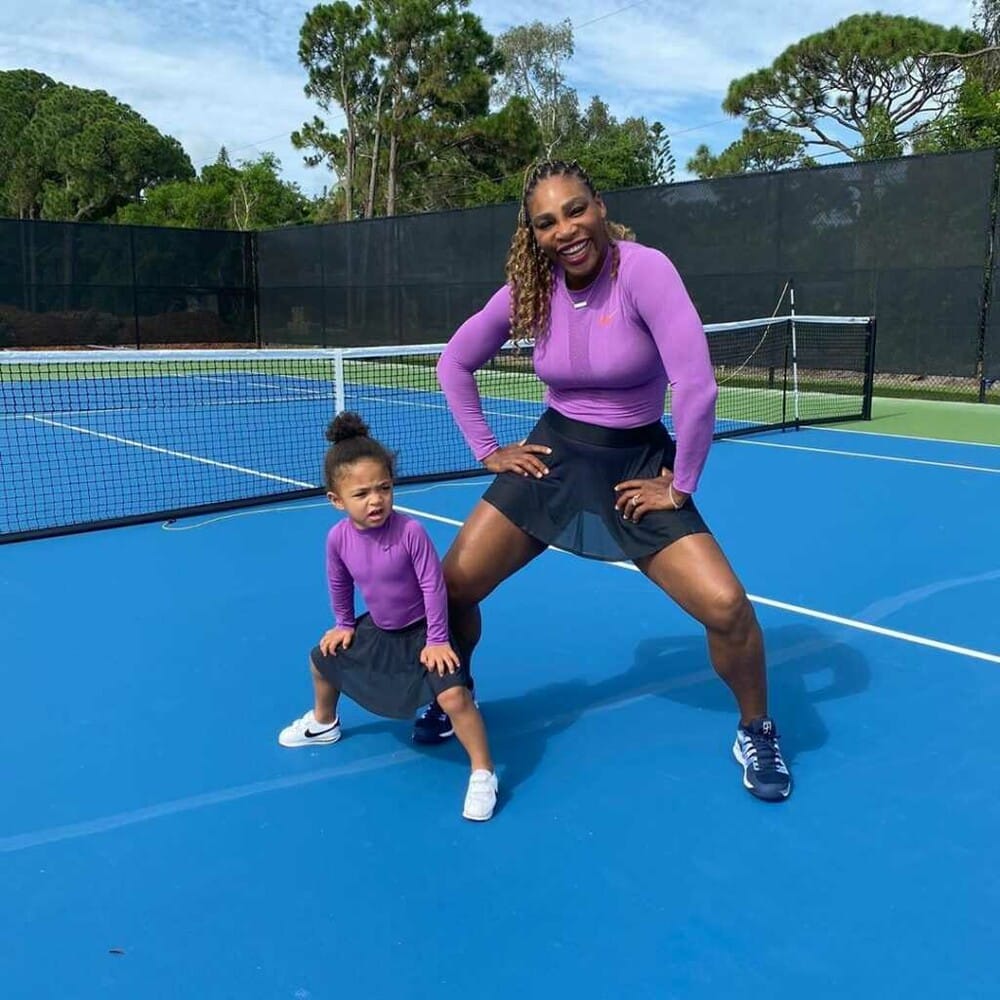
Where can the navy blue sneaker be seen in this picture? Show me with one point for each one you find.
(432, 725)
(764, 772)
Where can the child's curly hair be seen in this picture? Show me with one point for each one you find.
(349, 443)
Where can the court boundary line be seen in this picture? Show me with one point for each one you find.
(169, 451)
(854, 623)
(861, 454)
(901, 437)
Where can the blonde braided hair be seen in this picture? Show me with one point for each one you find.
(529, 272)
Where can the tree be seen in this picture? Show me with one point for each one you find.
(248, 196)
(664, 164)
(77, 154)
(409, 75)
(870, 76)
(484, 164)
(337, 49)
(756, 151)
(533, 57)
(974, 120)
(615, 154)
(438, 63)
(21, 91)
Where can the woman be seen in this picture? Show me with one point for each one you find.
(599, 475)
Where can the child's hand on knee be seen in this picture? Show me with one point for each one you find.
(441, 658)
(334, 639)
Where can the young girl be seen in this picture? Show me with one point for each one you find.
(397, 655)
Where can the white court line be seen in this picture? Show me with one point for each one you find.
(794, 609)
(861, 454)
(903, 437)
(889, 633)
(171, 452)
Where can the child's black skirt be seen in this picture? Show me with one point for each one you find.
(381, 669)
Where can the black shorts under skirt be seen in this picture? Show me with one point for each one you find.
(573, 507)
(381, 669)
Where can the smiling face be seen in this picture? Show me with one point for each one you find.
(568, 224)
(364, 492)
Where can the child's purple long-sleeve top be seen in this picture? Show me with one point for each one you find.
(608, 362)
(397, 570)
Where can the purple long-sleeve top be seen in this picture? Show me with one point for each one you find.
(607, 362)
(397, 570)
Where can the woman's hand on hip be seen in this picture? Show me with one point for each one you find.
(637, 497)
(520, 458)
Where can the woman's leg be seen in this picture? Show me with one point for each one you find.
(487, 549)
(695, 573)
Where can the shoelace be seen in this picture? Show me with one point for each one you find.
(764, 754)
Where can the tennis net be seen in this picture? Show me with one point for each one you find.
(99, 438)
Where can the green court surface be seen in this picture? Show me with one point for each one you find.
(974, 422)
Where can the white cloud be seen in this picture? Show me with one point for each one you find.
(226, 72)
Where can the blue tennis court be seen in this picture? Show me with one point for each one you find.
(157, 842)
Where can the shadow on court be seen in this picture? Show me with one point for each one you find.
(806, 669)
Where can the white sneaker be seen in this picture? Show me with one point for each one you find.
(306, 731)
(481, 797)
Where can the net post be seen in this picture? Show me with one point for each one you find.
(795, 352)
(868, 390)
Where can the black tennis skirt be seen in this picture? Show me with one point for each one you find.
(381, 669)
(573, 507)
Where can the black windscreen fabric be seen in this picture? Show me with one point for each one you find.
(902, 239)
(76, 285)
(405, 280)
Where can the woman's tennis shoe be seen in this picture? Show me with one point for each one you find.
(764, 771)
(481, 797)
(307, 731)
(432, 725)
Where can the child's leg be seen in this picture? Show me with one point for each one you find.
(319, 725)
(326, 696)
(469, 728)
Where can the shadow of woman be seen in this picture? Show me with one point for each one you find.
(805, 669)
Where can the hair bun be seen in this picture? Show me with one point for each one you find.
(345, 426)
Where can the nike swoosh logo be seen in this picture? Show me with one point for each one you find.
(310, 734)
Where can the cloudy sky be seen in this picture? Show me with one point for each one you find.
(222, 72)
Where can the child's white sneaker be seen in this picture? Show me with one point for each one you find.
(307, 731)
(481, 797)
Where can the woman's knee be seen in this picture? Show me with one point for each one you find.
(728, 610)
